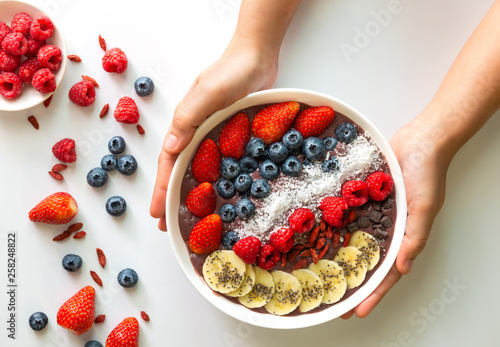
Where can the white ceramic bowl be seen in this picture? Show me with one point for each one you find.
(238, 311)
(30, 97)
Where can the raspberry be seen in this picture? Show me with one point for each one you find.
(247, 249)
(41, 28)
(21, 23)
(268, 257)
(380, 185)
(10, 85)
(282, 239)
(301, 220)
(44, 81)
(33, 47)
(114, 60)
(333, 210)
(64, 150)
(82, 93)
(126, 111)
(15, 43)
(8, 62)
(28, 69)
(4, 30)
(355, 193)
(50, 57)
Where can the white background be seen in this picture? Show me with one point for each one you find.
(390, 81)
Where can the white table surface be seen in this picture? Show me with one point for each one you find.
(390, 81)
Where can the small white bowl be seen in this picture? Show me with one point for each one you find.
(238, 311)
(30, 97)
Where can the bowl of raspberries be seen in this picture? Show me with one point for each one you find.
(32, 56)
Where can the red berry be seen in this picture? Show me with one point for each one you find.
(114, 60)
(50, 57)
(234, 136)
(44, 81)
(41, 28)
(77, 314)
(126, 111)
(201, 200)
(268, 257)
(355, 193)
(10, 85)
(314, 120)
(301, 220)
(82, 93)
(282, 239)
(8, 62)
(15, 44)
(333, 210)
(380, 185)
(206, 162)
(4, 30)
(33, 47)
(206, 235)
(28, 69)
(125, 334)
(64, 150)
(21, 23)
(247, 249)
(58, 208)
(272, 122)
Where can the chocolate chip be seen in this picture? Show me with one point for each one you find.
(377, 225)
(365, 206)
(386, 222)
(363, 222)
(377, 205)
(352, 227)
(376, 216)
(387, 205)
(380, 233)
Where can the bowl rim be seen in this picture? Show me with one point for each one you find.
(239, 311)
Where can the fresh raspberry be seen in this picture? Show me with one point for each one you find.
(301, 220)
(28, 69)
(380, 185)
(8, 62)
(114, 60)
(64, 150)
(4, 30)
(247, 249)
(268, 257)
(333, 210)
(21, 23)
(41, 28)
(282, 239)
(126, 111)
(10, 85)
(15, 43)
(355, 193)
(33, 47)
(50, 57)
(44, 81)
(82, 93)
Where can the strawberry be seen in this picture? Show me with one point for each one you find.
(58, 208)
(125, 334)
(201, 200)
(206, 235)
(206, 162)
(234, 136)
(78, 312)
(314, 120)
(272, 122)
(333, 210)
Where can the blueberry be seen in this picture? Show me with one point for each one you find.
(255, 148)
(93, 343)
(243, 182)
(293, 139)
(278, 152)
(127, 278)
(97, 177)
(72, 262)
(38, 321)
(331, 164)
(225, 188)
(260, 189)
(330, 143)
(229, 239)
(117, 145)
(248, 164)
(305, 162)
(313, 149)
(127, 165)
(144, 86)
(346, 132)
(292, 166)
(227, 213)
(109, 162)
(269, 170)
(245, 209)
(116, 206)
(229, 168)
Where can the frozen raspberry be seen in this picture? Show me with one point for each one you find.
(21, 23)
(64, 150)
(8, 62)
(41, 28)
(301, 220)
(114, 60)
(82, 93)
(282, 239)
(126, 111)
(10, 85)
(28, 69)
(333, 210)
(247, 249)
(4, 30)
(33, 47)
(15, 44)
(50, 57)
(355, 193)
(268, 257)
(44, 81)
(380, 185)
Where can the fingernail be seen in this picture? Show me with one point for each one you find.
(171, 142)
(407, 266)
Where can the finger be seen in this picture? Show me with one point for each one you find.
(165, 164)
(347, 315)
(162, 224)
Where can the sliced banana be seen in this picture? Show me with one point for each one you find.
(247, 284)
(312, 289)
(333, 278)
(261, 292)
(354, 264)
(224, 271)
(287, 294)
(367, 244)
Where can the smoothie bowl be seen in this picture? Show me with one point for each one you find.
(287, 209)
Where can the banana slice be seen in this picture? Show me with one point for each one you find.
(312, 289)
(247, 284)
(224, 271)
(287, 294)
(262, 291)
(333, 278)
(354, 264)
(367, 244)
